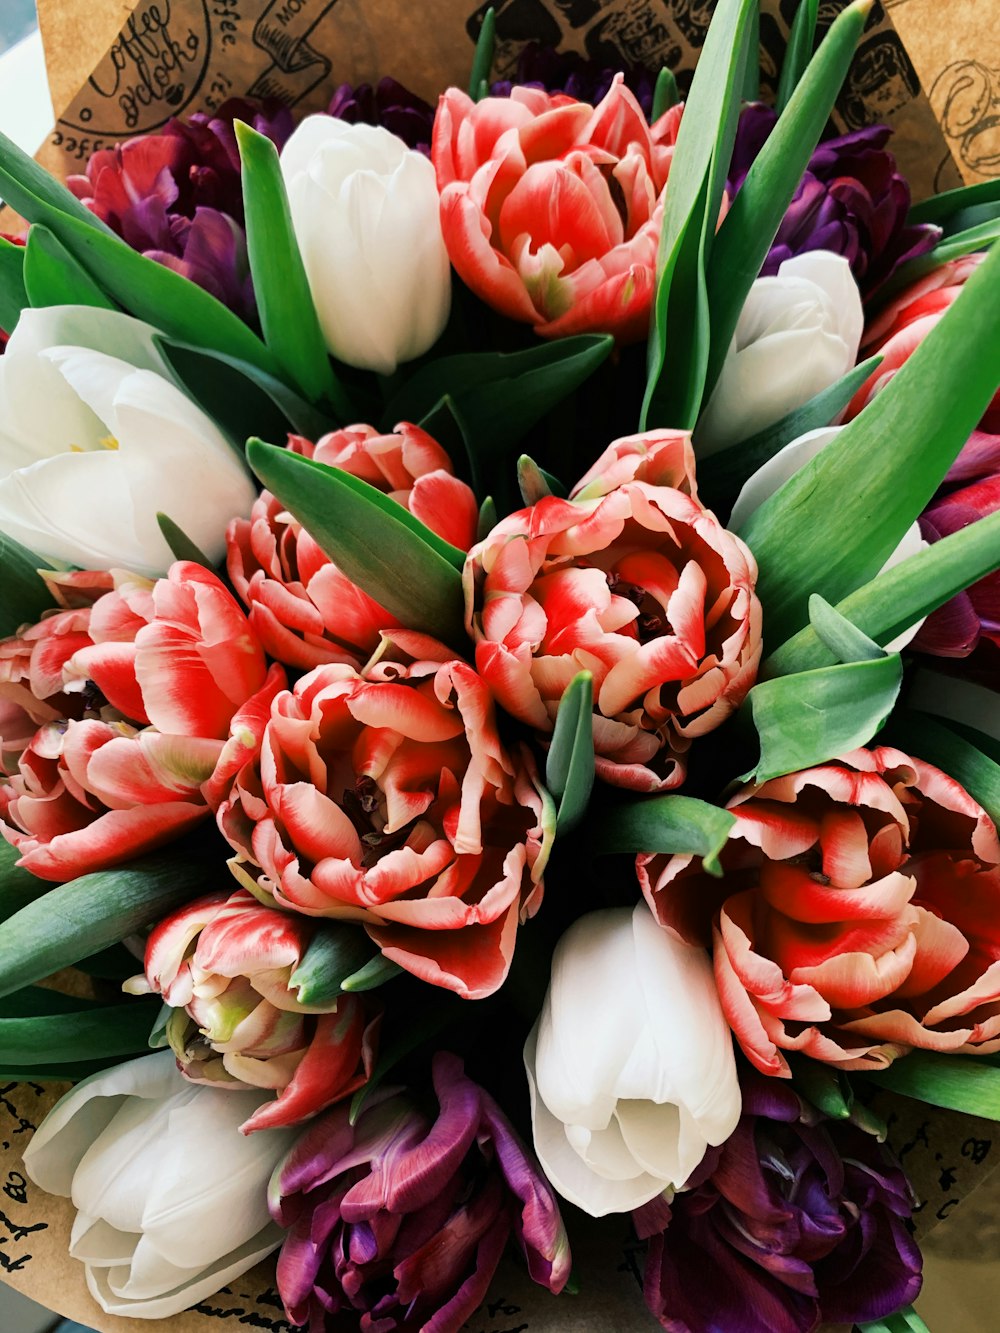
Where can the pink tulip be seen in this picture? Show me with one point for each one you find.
(305, 611)
(153, 699)
(224, 964)
(551, 209)
(857, 917)
(387, 798)
(635, 581)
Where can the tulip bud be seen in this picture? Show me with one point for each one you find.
(630, 1065)
(365, 212)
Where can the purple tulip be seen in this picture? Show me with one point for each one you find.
(789, 1224)
(566, 72)
(390, 105)
(176, 196)
(405, 1218)
(851, 200)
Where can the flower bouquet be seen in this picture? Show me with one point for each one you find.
(496, 713)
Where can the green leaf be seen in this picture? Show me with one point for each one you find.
(826, 1088)
(904, 1321)
(55, 1073)
(13, 296)
(956, 246)
(284, 301)
(751, 68)
(674, 825)
(569, 765)
(798, 53)
(931, 739)
(426, 1024)
(762, 200)
(18, 887)
(28, 188)
(679, 329)
(87, 1034)
(894, 601)
(488, 518)
(40, 1002)
(666, 94)
(53, 277)
(482, 60)
(532, 482)
(75, 920)
(724, 473)
(841, 637)
(377, 543)
(811, 717)
(958, 1082)
(181, 545)
(843, 516)
(373, 974)
(940, 207)
(23, 593)
(335, 953)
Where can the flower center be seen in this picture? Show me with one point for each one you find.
(364, 806)
(651, 622)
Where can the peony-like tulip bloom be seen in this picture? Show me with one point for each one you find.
(404, 1216)
(173, 693)
(788, 1225)
(223, 965)
(551, 208)
(96, 438)
(797, 334)
(170, 1199)
(304, 609)
(633, 580)
(388, 799)
(857, 917)
(631, 1065)
(365, 212)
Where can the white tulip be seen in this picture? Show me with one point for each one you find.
(786, 462)
(367, 219)
(171, 1198)
(630, 1066)
(798, 333)
(96, 438)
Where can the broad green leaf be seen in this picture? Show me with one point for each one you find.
(931, 739)
(666, 94)
(40, 1001)
(76, 920)
(679, 328)
(833, 525)
(181, 545)
(723, 474)
(53, 277)
(940, 207)
(89, 1033)
(840, 636)
(961, 1083)
(13, 296)
(334, 953)
(798, 53)
(377, 543)
(811, 717)
(23, 594)
(26, 187)
(482, 60)
(674, 825)
(894, 601)
(17, 887)
(762, 200)
(904, 1321)
(55, 1073)
(956, 246)
(751, 67)
(284, 302)
(373, 974)
(569, 765)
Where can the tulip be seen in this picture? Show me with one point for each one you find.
(788, 1225)
(404, 1215)
(96, 438)
(857, 917)
(415, 820)
(630, 1065)
(304, 609)
(572, 74)
(170, 1199)
(635, 581)
(769, 478)
(797, 334)
(364, 208)
(551, 209)
(224, 965)
(166, 694)
(389, 104)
